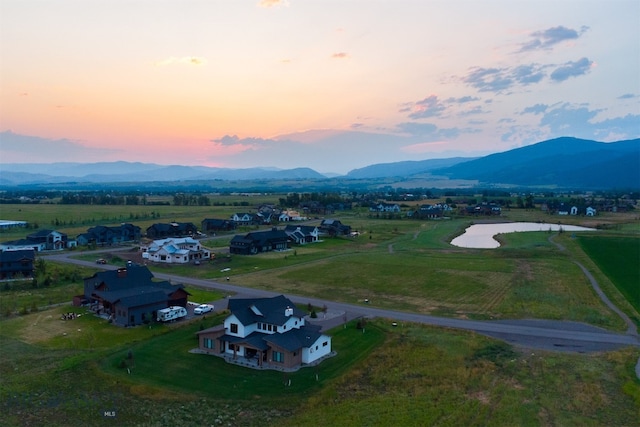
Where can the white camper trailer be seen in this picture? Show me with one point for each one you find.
(171, 313)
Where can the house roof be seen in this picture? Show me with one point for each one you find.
(22, 242)
(136, 297)
(272, 310)
(132, 276)
(295, 339)
(17, 255)
(255, 339)
(306, 229)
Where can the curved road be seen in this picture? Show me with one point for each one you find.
(559, 336)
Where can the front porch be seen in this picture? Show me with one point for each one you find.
(254, 363)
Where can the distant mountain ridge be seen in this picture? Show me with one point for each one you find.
(563, 162)
(558, 163)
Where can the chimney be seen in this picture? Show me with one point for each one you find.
(288, 312)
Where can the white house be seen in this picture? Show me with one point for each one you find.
(175, 251)
(242, 218)
(291, 215)
(267, 333)
(302, 234)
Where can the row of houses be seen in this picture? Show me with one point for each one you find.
(278, 240)
(567, 209)
(41, 240)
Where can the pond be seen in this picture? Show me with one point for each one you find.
(480, 236)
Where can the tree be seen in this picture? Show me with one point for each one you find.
(41, 266)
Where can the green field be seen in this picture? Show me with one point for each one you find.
(406, 375)
(619, 259)
(67, 373)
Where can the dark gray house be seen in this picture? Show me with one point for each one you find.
(17, 264)
(334, 227)
(130, 296)
(172, 229)
(104, 235)
(259, 241)
(209, 225)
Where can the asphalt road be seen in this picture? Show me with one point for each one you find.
(532, 334)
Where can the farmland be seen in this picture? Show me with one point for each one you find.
(409, 375)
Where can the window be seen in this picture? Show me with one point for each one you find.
(208, 343)
(278, 357)
(234, 328)
(324, 344)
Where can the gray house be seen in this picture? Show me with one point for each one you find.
(130, 296)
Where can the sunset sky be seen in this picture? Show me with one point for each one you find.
(330, 85)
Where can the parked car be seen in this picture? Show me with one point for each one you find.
(101, 261)
(202, 309)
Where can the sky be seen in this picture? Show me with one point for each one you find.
(332, 85)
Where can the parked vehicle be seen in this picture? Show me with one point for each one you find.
(101, 261)
(171, 313)
(203, 308)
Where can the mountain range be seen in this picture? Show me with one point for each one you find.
(563, 163)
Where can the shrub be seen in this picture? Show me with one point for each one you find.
(497, 353)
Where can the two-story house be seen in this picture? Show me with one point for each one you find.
(259, 241)
(269, 333)
(129, 295)
(209, 225)
(17, 264)
(243, 218)
(172, 229)
(302, 234)
(334, 227)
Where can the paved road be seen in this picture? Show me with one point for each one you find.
(559, 336)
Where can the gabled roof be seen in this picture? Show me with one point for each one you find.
(42, 233)
(305, 229)
(136, 297)
(125, 278)
(272, 309)
(295, 339)
(266, 235)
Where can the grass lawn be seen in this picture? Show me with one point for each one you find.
(406, 375)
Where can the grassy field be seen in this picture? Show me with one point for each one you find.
(67, 373)
(619, 259)
(407, 375)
